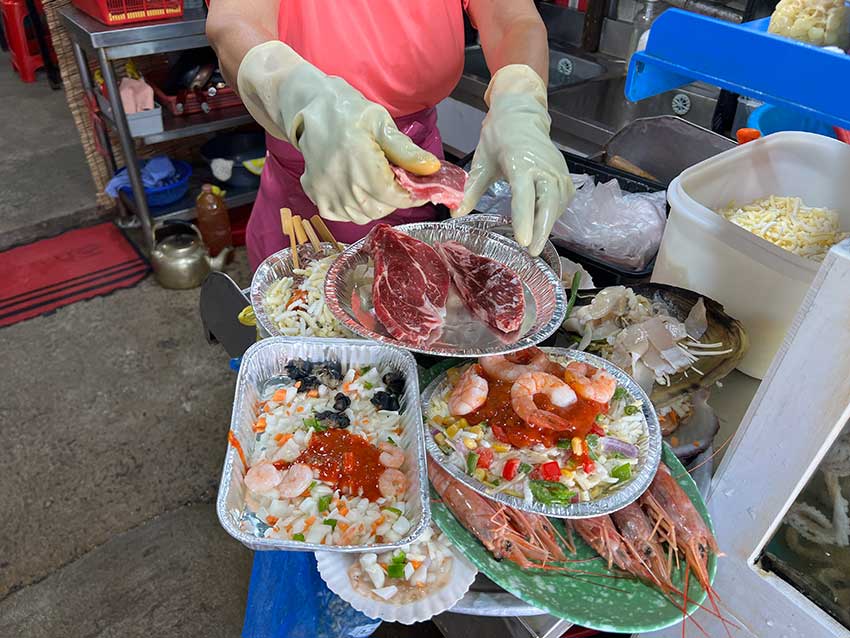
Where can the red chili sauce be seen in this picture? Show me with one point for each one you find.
(509, 428)
(346, 460)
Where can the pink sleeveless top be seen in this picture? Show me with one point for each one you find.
(403, 54)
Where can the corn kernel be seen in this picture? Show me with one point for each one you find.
(437, 419)
(567, 473)
(449, 420)
(480, 473)
(452, 430)
(477, 430)
(576, 445)
(470, 444)
(501, 448)
(462, 423)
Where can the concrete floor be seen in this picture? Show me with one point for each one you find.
(39, 142)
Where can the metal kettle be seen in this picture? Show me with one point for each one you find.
(179, 257)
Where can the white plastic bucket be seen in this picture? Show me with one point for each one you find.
(759, 283)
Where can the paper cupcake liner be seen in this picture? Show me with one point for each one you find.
(333, 567)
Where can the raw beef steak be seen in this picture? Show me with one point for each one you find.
(443, 187)
(411, 285)
(491, 290)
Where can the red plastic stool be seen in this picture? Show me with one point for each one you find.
(25, 56)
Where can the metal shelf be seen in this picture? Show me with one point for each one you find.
(184, 208)
(143, 38)
(180, 126)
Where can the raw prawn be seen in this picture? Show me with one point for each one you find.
(593, 384)
(532, 383)
(470, 393)
(600, 533)
(529, 540)
(391, 455)
(296, 480)
(673, 513)
(262, 477)
(510, 367)
(639, 536)
(392, 483)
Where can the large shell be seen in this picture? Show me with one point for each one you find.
(721, 327)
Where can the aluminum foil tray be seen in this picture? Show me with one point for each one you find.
(267, 359)
(273, 268)
(502, 224)
(649, 447)
(464, 335)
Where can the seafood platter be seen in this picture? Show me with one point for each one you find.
(540, 468)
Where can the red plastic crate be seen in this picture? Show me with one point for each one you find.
(115, 12)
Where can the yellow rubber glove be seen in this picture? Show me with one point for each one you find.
(347, 141)
(515, 145)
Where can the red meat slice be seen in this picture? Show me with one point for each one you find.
(411, 285)
(443, 187)
(491, 291)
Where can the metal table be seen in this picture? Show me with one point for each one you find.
(114, 43)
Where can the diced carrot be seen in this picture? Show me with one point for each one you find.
(346, 387)
(277, 436)
(313, 394)
(260, 425)
(382, 566)
(343, 510)
(365, 421)
(279, 395)
(416, 563)
(231, 438)
(271, 520)
(299, 409)
(378, 522)
(267, 408)
(310, 521)
(283, 439)
(420, 585)
(342, 526)
(357, 374)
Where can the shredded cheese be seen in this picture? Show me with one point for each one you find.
(785, 221)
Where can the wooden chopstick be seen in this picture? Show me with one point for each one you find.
(314, 238)
(299, 229)
(325, 232)
(286, 224)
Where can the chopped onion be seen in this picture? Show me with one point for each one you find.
(610, 445)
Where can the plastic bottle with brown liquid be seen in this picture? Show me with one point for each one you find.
(213, 219)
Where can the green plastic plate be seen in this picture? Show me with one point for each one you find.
(597, 602)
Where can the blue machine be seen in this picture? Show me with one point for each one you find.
(744, 58)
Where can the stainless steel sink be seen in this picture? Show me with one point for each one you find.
(604, 102)
(565, 69)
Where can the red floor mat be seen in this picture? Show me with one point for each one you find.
(76, 265)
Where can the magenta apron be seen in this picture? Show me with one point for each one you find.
(280, 186)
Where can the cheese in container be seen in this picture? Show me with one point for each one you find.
(326, 448)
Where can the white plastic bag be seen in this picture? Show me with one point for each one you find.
(616, 227)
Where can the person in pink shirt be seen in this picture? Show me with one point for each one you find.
(346, 88)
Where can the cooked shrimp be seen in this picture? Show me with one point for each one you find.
(470, 393)
(392, 483)
(262, 477)
(511, 367)
(559, 393)
(593, 384)
(391, 455)
(296, 479)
